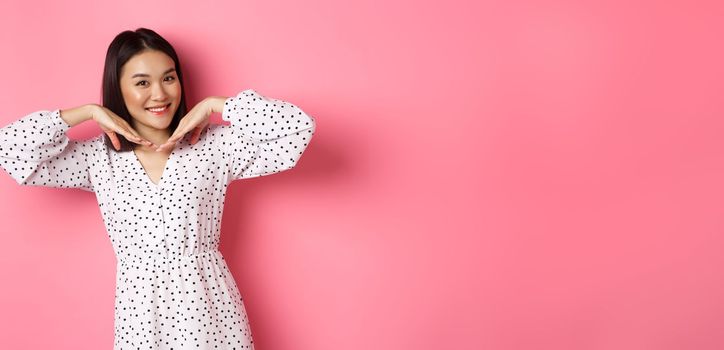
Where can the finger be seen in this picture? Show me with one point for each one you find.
(132, 131)
(139, 137)
(136, 134)
(183, 128)
(164, 146)
(146, 142)
(135, 139)
(196, 135)
(168, 142)
(198, 130)
(179, 134)
(114, 140)
(130, 137)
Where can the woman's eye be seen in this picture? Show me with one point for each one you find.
(143, 81)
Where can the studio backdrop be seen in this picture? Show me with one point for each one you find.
(484, 174)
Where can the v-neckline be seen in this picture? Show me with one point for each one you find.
(145, 173)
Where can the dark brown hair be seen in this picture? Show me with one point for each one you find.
(123, 47)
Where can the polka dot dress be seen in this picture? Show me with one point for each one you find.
(173, 287)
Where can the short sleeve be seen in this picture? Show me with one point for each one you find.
(35, 151)
(265, 135)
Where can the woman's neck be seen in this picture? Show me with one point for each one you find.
(156, 136)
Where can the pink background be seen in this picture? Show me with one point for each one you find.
(485, 175)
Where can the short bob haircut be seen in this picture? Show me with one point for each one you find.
(123, 47)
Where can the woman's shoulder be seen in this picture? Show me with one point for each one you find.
(214, 132)
(97, 142)
(218, 136)
(94, 146)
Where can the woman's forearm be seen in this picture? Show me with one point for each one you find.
(77, 115)
(216, 103)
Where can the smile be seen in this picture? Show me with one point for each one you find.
(160, 110)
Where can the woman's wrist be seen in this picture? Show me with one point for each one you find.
(77, 115)
(216, 103)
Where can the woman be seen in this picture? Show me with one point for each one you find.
(161, 194)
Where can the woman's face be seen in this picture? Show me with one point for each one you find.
(149, 80)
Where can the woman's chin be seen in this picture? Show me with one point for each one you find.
(158, 123)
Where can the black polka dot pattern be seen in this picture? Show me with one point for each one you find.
(174, 289)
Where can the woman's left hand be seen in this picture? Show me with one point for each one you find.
(196, 119)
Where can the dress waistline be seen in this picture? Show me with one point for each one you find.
(152, 259)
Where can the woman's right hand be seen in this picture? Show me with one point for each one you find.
(112, 124)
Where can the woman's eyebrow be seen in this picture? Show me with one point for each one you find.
(146, 75)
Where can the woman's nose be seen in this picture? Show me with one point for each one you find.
(158, 92)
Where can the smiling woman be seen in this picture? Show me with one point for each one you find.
(162, 210)
(142, 71)
(151, 93)
(148, 81)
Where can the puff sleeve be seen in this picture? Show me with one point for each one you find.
(35, 151)
(265, 135)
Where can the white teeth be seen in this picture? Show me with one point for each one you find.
(157, 109)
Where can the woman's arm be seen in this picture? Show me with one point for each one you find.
(35, 150)
(266, 135)
(77, 115)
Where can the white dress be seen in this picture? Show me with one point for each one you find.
(173, 287)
